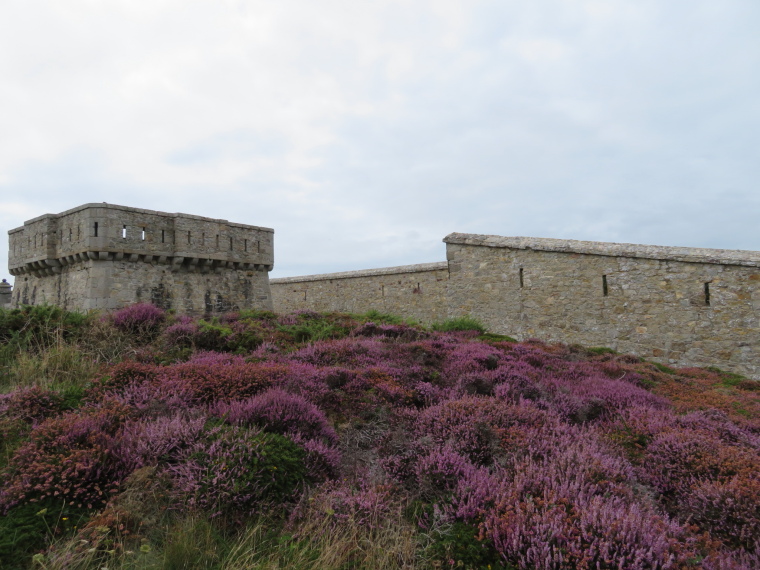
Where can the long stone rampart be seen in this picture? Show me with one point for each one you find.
(414, 291)
(678, 306)
(675, 305)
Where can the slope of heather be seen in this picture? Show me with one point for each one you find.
(149, 440)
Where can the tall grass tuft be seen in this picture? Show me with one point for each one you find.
(61, 366)
(318, 543)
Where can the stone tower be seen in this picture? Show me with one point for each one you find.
(102, 256)
(5, 294)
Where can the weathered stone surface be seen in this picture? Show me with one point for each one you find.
(102, 256)
(674, 305)
(416, 291)
(678, 306)
(6, 290)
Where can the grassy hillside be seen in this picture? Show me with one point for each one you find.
(149, 440)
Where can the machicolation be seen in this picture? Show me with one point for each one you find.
(102, 256)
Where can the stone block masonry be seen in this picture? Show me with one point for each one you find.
(673, 305)
(103, 256)
(414, 291)
(678, 306)
(6, 290)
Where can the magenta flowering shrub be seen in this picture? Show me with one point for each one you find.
(141, 318)
(537, 455)
(30, 405)
(364, 504)
(570, 504)
(404, 332)
(439, 472)
(717, 422)
(317, 384)
(207, 378)
(162, 440)
(154, 398)
(67, 458)
(124, 374)
(280, 412)
(470, 357)
(290, 415)
(479, 427)
(580, 397)
(547, 532)
(237, 471)
(348, 352)
(181, 334)
(322, 460)
(678, 459)
(729, 510)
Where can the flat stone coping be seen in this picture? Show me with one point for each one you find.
(658, 252)
(141, 211)
(418, 268)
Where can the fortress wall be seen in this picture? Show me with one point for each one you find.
(103, 256)
(677, 306)
(113, 284)
(414, 291)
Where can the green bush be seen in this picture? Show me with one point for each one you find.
(728, 378)
(377, 317)
(39, 325)
(491, 337)
(663, 368)
(313, 327)
(257, 315)
(460, 543)
(212, 335)
(460, 324)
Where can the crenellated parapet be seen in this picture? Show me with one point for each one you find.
(103, 256)
(45, 245)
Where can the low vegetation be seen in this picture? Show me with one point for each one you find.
(144, 439)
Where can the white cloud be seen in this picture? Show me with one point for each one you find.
(364, 132)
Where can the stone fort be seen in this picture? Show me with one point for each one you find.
(102, 256)
(674, 305)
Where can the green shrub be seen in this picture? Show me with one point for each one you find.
(731, 379)
(663, 368)
(491, 337)
(384, 318)
(460, 324)
(212, 335)
(257, 315)
(40, 325)
(459, 543)
(235, 471)
(313, 330)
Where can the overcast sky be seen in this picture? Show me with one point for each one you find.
(365, 131)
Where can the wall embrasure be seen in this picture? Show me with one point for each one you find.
(679, 306)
